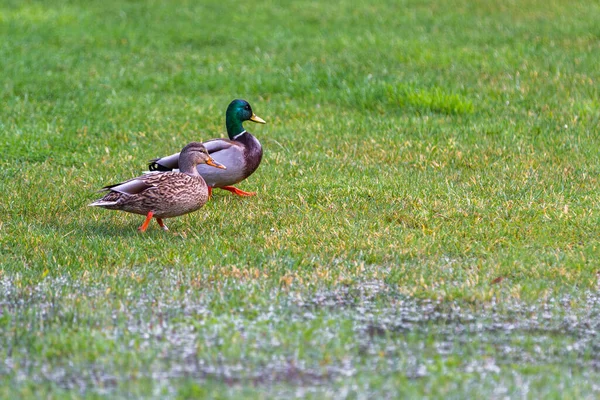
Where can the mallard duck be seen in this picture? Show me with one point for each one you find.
(163, 194)
(241, 154)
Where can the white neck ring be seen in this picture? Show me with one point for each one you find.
(239, 134)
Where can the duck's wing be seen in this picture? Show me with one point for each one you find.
(171, 162)
(113, 198)
(133, 186)
(229, 153)
(216, 146)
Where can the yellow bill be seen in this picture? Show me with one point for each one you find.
(258, 119)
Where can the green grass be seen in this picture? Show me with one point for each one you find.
(414, 153)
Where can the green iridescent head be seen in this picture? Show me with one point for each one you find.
(238, 112)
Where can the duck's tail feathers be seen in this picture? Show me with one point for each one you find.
(165, 163)
(154, 166)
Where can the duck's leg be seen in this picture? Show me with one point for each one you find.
(146, 222)
(237, 191)
(210, 191)
(162, 224)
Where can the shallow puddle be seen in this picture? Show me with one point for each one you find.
(99, 337)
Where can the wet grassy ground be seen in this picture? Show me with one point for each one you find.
(426, 223)
(167, 338)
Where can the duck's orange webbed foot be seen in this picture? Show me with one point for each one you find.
(237, 191)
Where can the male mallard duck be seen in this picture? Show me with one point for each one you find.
(163, 194)
(241, 154)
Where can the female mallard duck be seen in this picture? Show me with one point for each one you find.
(241, 154)
(163, 194)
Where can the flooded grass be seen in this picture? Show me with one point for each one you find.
(170, 340)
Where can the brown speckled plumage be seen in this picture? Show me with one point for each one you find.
(168, 194)
(163, 194)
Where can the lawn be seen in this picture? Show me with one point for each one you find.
(427, 220)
